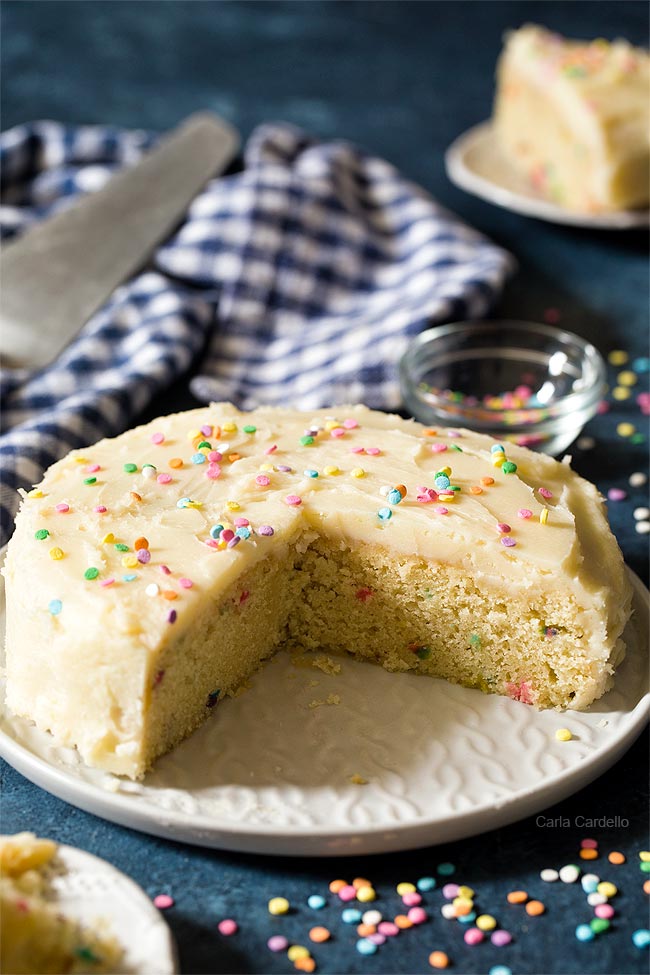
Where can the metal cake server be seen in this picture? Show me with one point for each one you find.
(57, 274)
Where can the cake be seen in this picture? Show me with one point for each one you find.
(150, 575)
(574, 117)
(36, 937)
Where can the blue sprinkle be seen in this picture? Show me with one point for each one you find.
(497, 448)
(641, 938)
(500, 970)
(393, 496)
(446, 869)
(442, 482)
(55, 606)
(183, 502)
(425, 883)
(198, 458)
(641, 365)
(584, 933)
(215, 531)
(589, 883)
(467, 918)
(243, 532)
(351, 915)
(310, 472)
(130, 576)
(384, 514)
(365, 947)
(316, 901)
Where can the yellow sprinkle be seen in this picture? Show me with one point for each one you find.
(445, 470)
(543, 516)
(563, 734)
(297, 951)
(81, 460)
(130, 562)
(204, 450)
(627, 378)
(56, 553)
(464, 903)
(485, 922)
(607, 889)
(405, 888)
(35, 493)
(265, 467)
(108, 539)
(617, 357)
(625, 429)
(332, 425)
(621, 392)
(644, 856)
(194, 434)
(365, 894)
(278, 905)
(465, 892)
(232, 505)
(498, 460)
(332, 470)
(229, 427)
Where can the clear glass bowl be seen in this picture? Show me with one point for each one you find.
(531, 384)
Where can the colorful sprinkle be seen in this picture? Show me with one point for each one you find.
(163, 901)
(55, 606)
(278, 905)
(563, 734)
(227, 927)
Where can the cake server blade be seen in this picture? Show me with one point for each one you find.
(57, 274)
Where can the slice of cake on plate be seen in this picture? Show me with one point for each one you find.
(574, 116)
(150, 575)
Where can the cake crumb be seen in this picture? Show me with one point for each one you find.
(331, 699)
(357, 779)
(326, 664)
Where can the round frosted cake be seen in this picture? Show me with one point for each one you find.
(150, 575)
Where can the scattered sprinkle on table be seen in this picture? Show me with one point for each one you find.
(227, 927)
(278, 905)
(163, 901)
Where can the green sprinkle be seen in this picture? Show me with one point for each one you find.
(645, 866)
(55, 606)
(456, 447)
(90, 480)
(423, 653)
(86, 954)
(41, 534)
(508, 467)
(599, 924)
(306, 441)
(91, 573)
(121, 547)
(637, 438)
(130, 468)
(249, 428)
(204, 443)
(455, 487)
(475, 640)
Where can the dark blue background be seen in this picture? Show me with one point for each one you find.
(403, 79)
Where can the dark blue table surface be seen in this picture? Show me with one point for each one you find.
(403, 79)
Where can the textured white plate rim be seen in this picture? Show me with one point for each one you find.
(259, 837)
(79, 862)
(461, 173)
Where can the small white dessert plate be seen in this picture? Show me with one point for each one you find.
(91, 888)
(312, 763)
(475, 164)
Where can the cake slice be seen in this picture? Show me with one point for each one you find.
(575, 118)
(150, 575)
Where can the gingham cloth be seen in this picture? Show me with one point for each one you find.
(303, 277)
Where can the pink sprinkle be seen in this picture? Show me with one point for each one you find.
(500, 938)
(227, 927)
(388, 928)
(450, 891)
(474, 936)
(589, 844)
(347, 893)
(520, 692)
(185, 583)
(213, 472)
(439, 448)
(293, 499)
(265, 530)
(163, 900)
(616, 494)
(164, 478)
(426, 495)
(350, 423)
(412, 899)
(441, 510)
(604, 910)
(525, 513)
(364, 594)
(157, 437)
(227, 534)
(106, 582)
(277, 942)
(508, 542)
(417, 915)
(337, 432)
(92, 468)
(101, 509)
(264, 480)
(358, 450)
(454, 434)
(373, 451)
(545, 493)
(603, 407)
(206, 430)
(241, 522)
(214, 456)
(211, 543)
(166, 571)
(62, 507)
(272, 449)
(377, 938)
(503, 528)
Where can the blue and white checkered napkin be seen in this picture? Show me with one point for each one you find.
(304, 276)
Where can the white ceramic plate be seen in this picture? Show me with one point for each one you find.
(474, 163)
(271, 771)
(90, 888)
